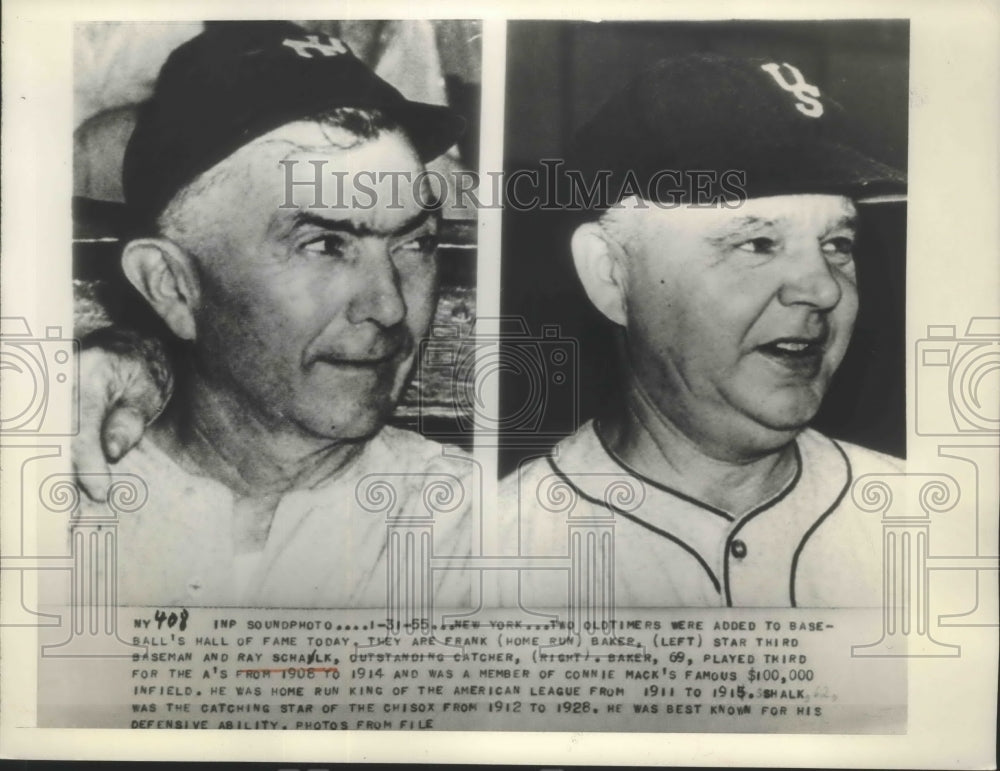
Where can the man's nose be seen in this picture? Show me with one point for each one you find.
(378, 297)
(810, 279)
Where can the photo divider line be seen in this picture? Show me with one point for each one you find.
(488, 287)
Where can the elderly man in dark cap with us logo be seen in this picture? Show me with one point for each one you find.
(724, 257)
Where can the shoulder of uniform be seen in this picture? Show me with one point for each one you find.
(527, 469)
(548, 462)
(584, 439)
(867, 461)
(400, 448)
(861, 459)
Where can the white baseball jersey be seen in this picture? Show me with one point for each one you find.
(809, 545)
(327, 546)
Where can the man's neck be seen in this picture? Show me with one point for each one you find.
(648, 441)
(211, 432)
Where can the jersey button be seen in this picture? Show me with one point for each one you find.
(738, 549)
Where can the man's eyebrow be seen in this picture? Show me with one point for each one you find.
(743, 222)
(845, 221)
(749, 220)
(726, 229)
(303, 218)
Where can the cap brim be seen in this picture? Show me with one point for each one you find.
(826, 168)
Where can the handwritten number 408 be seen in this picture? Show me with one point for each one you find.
(172, 619)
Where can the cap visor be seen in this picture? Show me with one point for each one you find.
(826, 168)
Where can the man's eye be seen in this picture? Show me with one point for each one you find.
(333, 246)
(760, 245)
(423, 245)
(839, 249)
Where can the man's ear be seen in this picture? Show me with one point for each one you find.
(166, 276)
(600, 266)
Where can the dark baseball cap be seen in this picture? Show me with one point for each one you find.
(764, 120)
(235, 82)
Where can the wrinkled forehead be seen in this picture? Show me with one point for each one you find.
(377, 180)
(804, 210)
(318, 139)
(801, 212)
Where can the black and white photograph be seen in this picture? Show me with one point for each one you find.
(500, 384)
(726, 245)
(261, 398)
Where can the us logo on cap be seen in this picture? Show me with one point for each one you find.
(312, 43)
(807, 94)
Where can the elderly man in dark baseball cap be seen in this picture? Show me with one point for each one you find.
(725, 261)
(296, 323)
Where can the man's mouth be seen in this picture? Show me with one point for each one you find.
(801, 355)
(360, 361)
(355, 362)
(373, 358)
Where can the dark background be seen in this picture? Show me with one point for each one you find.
(559, 73)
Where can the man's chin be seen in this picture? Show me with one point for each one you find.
(791, 420)
(355, 426)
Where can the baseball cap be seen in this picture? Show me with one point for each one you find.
(764, 119)
(235, 82)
